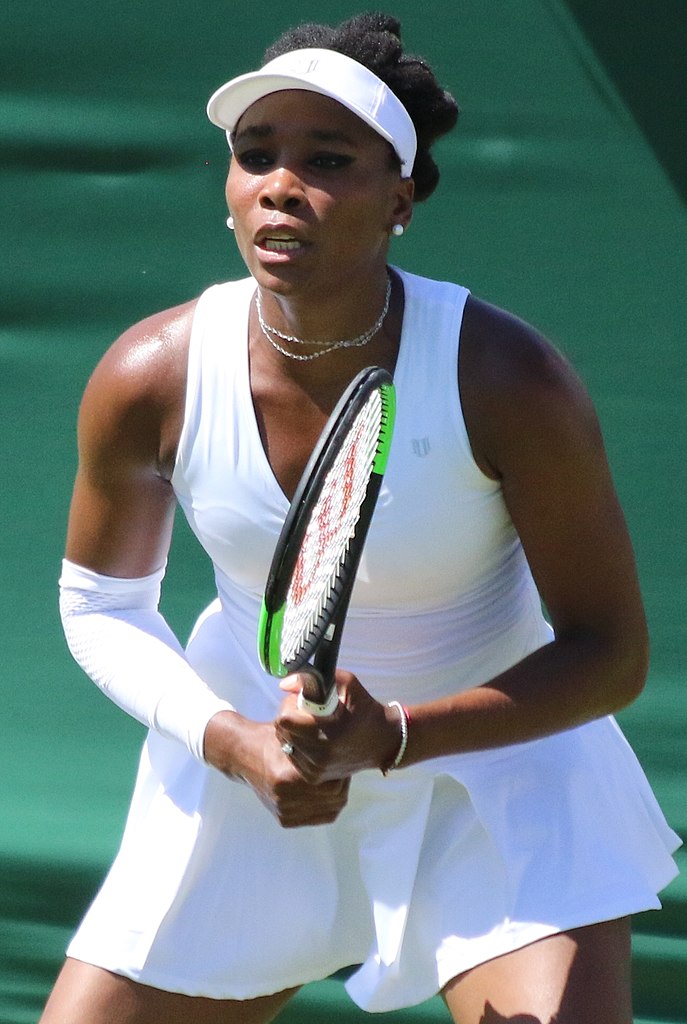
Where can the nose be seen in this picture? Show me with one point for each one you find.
(282, 190)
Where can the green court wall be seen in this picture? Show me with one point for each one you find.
(556, 201)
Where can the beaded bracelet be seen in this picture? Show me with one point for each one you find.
(405, 722)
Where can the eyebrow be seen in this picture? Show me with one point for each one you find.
(265, 131)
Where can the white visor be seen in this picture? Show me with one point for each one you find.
(331, 74)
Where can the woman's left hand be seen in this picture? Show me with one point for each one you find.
(361, 734)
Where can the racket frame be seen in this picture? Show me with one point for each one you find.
(319, 655)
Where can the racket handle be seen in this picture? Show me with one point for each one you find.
(314, 696)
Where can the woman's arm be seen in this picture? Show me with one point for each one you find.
(122, 508)
(532, 426)
(119, 533)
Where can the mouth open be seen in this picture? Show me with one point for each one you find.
(281, 244)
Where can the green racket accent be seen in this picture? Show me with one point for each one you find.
(388, 396)
(269, 634)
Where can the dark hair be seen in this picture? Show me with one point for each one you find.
(375, 41)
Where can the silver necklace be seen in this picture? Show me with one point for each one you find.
(325, 346)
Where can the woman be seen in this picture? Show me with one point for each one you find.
(497, 855)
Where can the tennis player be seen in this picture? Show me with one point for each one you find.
(470, 821)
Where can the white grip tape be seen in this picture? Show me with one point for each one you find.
(320, 710)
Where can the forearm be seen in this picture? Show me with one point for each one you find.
(122, 642)
(562, 685)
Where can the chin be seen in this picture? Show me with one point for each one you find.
(281, 278)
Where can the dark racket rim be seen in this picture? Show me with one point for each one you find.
(288, 546)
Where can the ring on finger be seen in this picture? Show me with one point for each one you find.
(287, 749)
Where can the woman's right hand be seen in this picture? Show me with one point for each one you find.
(251, 752)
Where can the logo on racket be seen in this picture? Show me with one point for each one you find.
(332, 525)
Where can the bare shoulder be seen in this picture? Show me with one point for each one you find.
(534, 428)
(149, 359)
(517, 389)
(132, 408)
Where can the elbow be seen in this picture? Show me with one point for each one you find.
(631, 667)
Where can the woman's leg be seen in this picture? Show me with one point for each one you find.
(91, 995)
(577, 977)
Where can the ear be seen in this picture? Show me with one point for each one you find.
(402, 211)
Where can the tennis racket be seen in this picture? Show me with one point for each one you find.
(318, 552)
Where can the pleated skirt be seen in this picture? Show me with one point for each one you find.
(425, 874)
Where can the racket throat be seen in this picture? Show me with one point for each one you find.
(319, 695)
(320, 675)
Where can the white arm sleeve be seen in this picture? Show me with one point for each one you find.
(119, 638)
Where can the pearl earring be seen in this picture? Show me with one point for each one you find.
(230, 223)
(397, 230)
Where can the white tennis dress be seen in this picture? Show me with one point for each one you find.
(437, 867)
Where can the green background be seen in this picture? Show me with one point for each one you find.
(560, 199)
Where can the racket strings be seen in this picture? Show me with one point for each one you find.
(320, 571)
